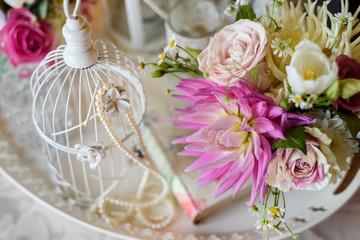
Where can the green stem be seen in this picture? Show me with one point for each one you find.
(273, 12)
(337, 36)
(293, 234)
(284, 204)
(188, 53)
(194, 69)
(268, 190)
(256, 81)
(175, 75)
(271, 18)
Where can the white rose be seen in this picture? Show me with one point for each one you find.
(310, 71)
(18, 3)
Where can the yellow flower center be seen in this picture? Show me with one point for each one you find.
(280, 47)
(255, 208)
(142, 65)
(274, 210)
(162, 55)
(172, 43)
(298, 99)
(310, 73)
(310, 99)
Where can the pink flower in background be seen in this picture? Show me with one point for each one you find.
(24, 39)
(291, 169)
(237, 48)
(85, 9)
(234, 129)
(348, 68)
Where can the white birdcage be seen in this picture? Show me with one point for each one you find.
(88, 107)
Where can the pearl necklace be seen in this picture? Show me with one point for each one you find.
(115, 209)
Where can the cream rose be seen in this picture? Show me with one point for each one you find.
(237, 48)
(291, 169)
(310, 71)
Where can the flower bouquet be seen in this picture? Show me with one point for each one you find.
(274, 99)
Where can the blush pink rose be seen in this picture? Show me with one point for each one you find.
(236, 49)
(24, 39)
(348, 68)
(290, 169)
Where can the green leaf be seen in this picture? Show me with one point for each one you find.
(295, 138)
(349, 87)
(284, 103)
(353, 123)
(255, 73)
(245, 12)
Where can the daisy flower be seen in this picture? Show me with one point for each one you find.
(261, 224)
(172, 48)
(163, 55)
(343, 17)
(281, 47)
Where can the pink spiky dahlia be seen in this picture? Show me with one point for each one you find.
(234, 129)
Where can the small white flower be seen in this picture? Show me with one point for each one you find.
(310, 71)
(253, 210)
(275, 210)
(172, 49)
(163, 55)
(115, 101)
(302, 103)
(260, 224)
(281, 47)
(276, 229)
(344, 17)
(173, 42)
(298, 100)
(93, 153)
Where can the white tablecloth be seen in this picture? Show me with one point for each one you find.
(21, 218)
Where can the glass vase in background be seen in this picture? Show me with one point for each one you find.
(193, 22)
(135, 27)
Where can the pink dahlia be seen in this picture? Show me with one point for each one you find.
(234, 127)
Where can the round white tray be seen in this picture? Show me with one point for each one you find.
(304, 209)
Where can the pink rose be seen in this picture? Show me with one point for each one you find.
(348, 68)
(290, 169)
(233, 51)
(24, 39)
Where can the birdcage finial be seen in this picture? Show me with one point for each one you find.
(80, 51)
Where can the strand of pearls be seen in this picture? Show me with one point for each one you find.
(138, 206)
